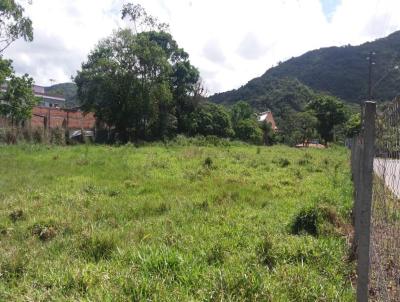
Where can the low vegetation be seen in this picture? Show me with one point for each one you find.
(190, 220)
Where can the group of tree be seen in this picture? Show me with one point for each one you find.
(325, 118)
(140, 83)
(16, 95)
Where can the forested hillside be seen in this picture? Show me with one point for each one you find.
(68, 90)
(280, 95)
(340, 71)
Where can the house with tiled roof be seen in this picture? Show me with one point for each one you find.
(267, 117)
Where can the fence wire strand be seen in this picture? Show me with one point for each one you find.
(385, 221)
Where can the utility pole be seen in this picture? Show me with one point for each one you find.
(370, 63)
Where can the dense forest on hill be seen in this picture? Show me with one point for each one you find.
(339, 71)
(281, 95)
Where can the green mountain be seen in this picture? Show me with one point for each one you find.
(68, 90)
(340, 71)
(282, 96)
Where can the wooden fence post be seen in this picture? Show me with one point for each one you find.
(358, 171)
(365, 199)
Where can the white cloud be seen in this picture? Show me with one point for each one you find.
(212, 51)
(229, 41)
(251, 47)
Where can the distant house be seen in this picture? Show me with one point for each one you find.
(267, 117)
(51, 112)
(54, 117)
(48, 100)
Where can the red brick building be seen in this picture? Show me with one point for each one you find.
(267, 117)
(52, 117)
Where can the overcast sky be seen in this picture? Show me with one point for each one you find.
(230, 41)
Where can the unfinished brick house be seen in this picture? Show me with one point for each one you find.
(51, 113)
(267, 117)
(51, 117)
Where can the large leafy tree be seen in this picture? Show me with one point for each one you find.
(210, 119)
(353, 125)
(241, 111)
(304, 127)
(13, 24)
(244, 123)
(18, 99)
(329, 112)
(133, 80)
(249, 130)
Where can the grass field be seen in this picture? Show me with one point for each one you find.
(177, 223)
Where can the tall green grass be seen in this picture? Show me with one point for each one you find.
(173, 223)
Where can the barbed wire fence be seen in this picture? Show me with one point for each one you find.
(375, 163)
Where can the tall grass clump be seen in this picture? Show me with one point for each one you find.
(266, 253)
(98, 247)
(315, 221)
(57, 136)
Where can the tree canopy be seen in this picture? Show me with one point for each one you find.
(18, 99)
(138, 82)
(210, 119)
(329, 112)
(13, 24)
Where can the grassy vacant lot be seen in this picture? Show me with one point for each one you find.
(178, 223)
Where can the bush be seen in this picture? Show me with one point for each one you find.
(57, 136)
(208, 162)
(316, 220)
(248, 130)
(11, 137)
(38, 136)
(210, 119)
(27, 135)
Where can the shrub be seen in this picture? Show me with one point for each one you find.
(57, 136)
(10, 137)
(208, 162)
(316, 220)
(27, 135)
(210, 119)
(38, 136)
(248, 130)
